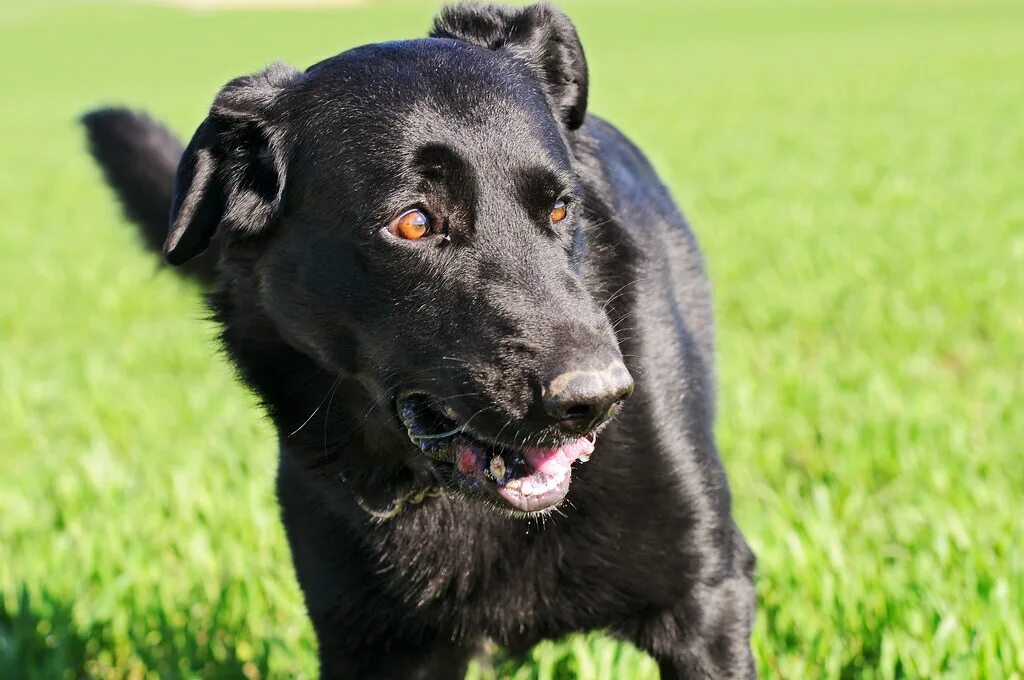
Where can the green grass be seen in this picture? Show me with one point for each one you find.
(856, 174)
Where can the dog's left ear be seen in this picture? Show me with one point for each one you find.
(231, 176)
(540, 35)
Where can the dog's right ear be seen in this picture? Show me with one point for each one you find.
(232, 174)
(539, 35)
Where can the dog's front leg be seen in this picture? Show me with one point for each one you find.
(705, 638)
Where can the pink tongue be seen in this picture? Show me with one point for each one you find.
(556, 461)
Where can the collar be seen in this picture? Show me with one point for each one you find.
(414, 497)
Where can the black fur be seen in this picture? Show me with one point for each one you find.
(330, 319)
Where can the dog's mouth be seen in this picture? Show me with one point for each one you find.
(527, 479)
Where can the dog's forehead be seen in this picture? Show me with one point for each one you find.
(420, 65)
(425, 90)
(372, 108)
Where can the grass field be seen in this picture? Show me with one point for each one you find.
(856, 174)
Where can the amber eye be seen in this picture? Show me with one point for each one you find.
(411, 225)
(559, 211)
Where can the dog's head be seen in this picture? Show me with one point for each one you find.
(411, 215)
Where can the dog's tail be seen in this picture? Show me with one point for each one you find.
(139, 158)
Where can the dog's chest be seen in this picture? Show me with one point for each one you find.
(468, 571)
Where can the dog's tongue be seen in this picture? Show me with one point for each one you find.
(553, 462)
(543, 483)
(548, 483)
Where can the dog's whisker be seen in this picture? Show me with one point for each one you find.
(327, 419)
(317, 409)
(621, 290)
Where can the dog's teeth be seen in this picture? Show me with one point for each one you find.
(584, 457)
(497, 468)
(515, 485)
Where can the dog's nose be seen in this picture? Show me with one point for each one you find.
(581, 398)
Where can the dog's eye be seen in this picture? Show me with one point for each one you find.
(411, 225)
(559, 211)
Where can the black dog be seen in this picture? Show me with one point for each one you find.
(434, 267)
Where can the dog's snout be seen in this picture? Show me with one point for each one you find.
(580, 398)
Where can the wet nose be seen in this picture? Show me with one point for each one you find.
(581, 397)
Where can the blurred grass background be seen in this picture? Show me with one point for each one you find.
(856, 174)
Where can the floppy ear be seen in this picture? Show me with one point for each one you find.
(232, 173)
(540, 35)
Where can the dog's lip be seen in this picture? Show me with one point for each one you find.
(528, 479)
(455, 424)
